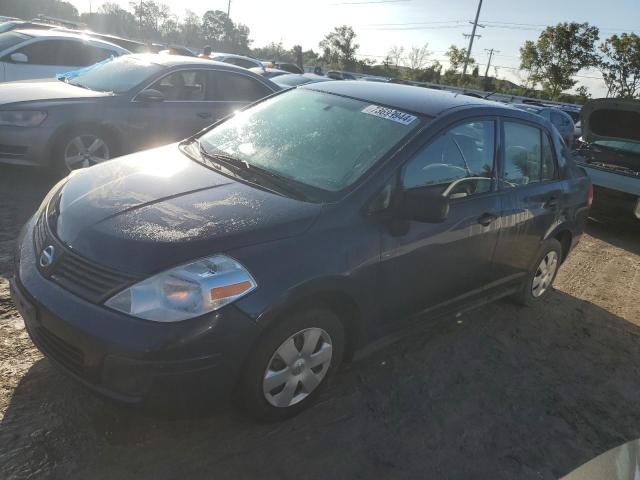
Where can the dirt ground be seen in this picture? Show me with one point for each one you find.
(502, 392)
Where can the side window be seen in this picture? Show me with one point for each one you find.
(523, 154)
(548, 159)
(97, 54)
(458, 163)
(183, 86)
(241, 62)
(232, 87)
(46, 52)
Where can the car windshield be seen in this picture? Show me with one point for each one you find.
(11, 38)
(317, 139)
(117, 75)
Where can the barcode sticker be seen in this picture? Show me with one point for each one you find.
(390, 114)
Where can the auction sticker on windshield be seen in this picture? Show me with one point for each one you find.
(390, 114)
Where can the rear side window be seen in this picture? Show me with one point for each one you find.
(458, 163)
(523, 154)
(233, 87)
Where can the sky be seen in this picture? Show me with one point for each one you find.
(380, 24)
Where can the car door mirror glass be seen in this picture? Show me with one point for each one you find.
(150, 95)
(19, 57)
(424, 205)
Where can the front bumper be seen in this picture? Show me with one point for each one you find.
(25, 145)
(126, 358)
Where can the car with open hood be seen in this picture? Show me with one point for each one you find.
(254, 257)
(609, 151)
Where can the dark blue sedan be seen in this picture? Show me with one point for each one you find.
(254, 257)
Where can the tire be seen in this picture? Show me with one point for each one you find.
(69, 145)
(539, 283)
(291, 380)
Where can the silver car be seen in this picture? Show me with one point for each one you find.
(119, 106)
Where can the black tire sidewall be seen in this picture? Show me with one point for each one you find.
(526, 295)
(250, 388)
(58, 163)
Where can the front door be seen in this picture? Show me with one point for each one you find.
(426, 265)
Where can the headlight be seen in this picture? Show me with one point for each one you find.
(22, 118)
(186, 291)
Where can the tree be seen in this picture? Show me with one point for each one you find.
(418, 57)
(339, 47)
(395, 55)
(217, 28)
(620, 65)
(150, 15)
(191, 29)
(582, 93)
(559, 53)
(457, 57)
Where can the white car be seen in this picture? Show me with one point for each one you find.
(239, 60)
(32, 54)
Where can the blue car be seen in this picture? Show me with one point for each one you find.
(253, 258)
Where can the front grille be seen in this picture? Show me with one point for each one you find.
(76, 274)
(64, 353)
(86, 279)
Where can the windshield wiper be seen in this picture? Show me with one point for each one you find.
(254, 173)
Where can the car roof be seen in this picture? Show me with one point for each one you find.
(422, 100)
(35, 33)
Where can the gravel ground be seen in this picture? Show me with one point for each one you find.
(502, 392)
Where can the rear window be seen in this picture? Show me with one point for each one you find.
(9, 39)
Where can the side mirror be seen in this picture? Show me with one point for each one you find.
(150, 95)
(19, 57)
(424, 205)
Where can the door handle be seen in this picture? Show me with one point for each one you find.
(487, 219)
(552, 202)
(204, 114)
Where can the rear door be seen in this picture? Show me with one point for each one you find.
(533, 195)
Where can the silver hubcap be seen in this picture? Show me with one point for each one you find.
(544, 274)
(297, 367)
(84, 151)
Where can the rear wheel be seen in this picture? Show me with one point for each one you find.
(540, 277)
(291, 364)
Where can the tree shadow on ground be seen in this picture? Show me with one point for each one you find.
(502, 392)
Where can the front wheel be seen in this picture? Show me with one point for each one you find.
(539, 280)
(83, 148)
(291, 364)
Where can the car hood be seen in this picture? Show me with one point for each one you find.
(609, 119)
(14, 92)
(148, 211)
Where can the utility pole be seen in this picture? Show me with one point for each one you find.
(472, 37)
(229, 8)
(491, 52)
